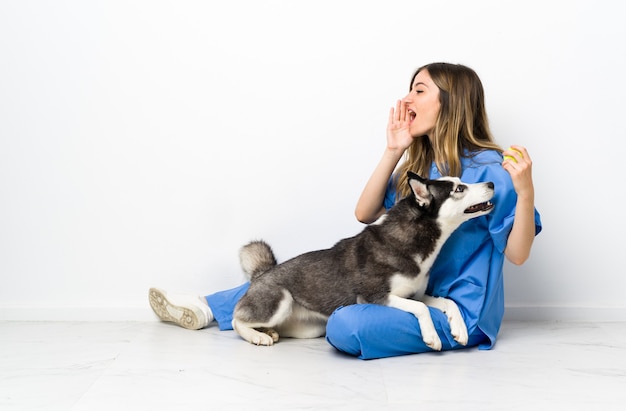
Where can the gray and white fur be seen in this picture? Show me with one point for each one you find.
(387, 263)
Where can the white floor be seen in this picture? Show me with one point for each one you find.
(157, 366)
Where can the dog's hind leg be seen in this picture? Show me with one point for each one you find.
(458, 329)
(256, 315)
(421, 312)
(252, 335)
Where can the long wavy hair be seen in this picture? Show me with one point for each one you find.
(461, 129)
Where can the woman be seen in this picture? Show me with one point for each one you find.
(441, 129)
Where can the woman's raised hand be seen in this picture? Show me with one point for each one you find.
(398, 135)
(519, 165)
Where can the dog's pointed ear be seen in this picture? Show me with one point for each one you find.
(419, 188)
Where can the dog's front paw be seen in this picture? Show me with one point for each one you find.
(431, 339)
(459, 330)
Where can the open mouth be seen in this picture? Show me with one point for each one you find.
(486, 206)
(411, 115)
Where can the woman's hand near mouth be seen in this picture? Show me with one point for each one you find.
(398, 134)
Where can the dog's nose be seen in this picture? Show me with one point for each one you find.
(490, 185)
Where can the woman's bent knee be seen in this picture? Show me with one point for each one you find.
(342, 330)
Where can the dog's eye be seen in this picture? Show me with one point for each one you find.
(459, 189)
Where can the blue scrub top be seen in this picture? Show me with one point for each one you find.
(469, 268)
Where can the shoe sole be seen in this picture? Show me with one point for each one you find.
(169, 312)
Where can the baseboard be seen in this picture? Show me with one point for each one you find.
(144, 313)
(565, 313)
(78, 313)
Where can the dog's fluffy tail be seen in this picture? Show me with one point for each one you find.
(256, 258)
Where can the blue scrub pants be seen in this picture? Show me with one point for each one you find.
(366, 331)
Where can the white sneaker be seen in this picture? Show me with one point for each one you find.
(188, 311)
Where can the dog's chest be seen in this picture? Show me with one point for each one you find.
(405, 286)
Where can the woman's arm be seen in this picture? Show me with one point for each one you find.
(522, 233)
(370, 205)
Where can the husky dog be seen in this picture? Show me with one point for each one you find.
(387, 263)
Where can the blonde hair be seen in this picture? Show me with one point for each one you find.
(461, 127)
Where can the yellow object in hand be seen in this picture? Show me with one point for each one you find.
(513, 158)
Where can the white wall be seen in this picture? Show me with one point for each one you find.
(143, 142)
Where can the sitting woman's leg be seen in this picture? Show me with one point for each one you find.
(186, 310)
(223, 304)
(371, 331)
(195, 312)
